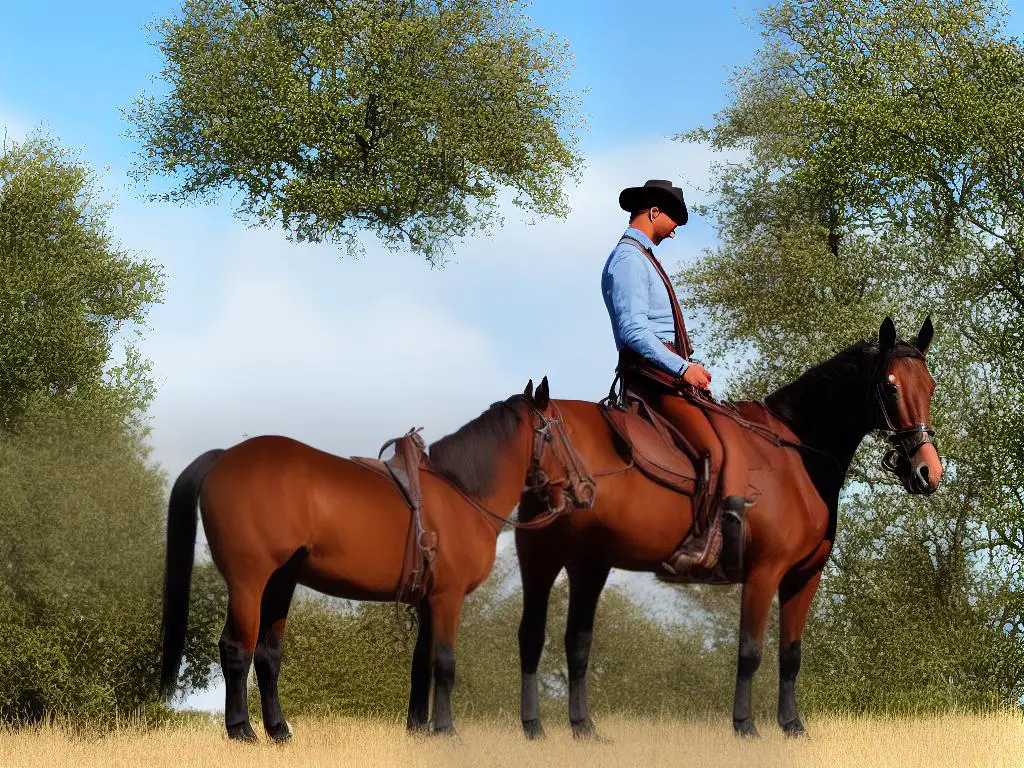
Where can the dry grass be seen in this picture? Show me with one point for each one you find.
(996, 740)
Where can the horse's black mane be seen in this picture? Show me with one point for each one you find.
(830, 410)
(468, 456)
(854, 364)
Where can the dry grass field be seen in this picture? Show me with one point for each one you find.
(989, 741)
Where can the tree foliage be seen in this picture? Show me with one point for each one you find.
(81, 568)
(404, 118)
(81, 505)
(883, 148)
(67, 289)
(904, 624)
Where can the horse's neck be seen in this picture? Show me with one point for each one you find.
(513, 463)
(831, 417)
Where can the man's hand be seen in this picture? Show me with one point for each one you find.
(695, 375)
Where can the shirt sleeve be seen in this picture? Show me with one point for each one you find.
(629, 294)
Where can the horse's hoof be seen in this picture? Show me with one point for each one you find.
(795, 729)
(280, 733)
(746, 728)
(242, 732)
(585, 729)
(533, 729)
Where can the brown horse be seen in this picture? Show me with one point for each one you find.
(278, 512)
(635, 523)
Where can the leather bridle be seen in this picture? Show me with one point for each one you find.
(577, 485)
(906, 441)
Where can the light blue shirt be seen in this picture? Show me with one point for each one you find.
(638, 304)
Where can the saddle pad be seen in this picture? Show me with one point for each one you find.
(655, 454)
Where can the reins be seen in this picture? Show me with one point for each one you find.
(540, 521)
(906, 441)
(763, 432)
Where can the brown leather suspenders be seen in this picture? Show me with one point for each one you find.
(683, 346)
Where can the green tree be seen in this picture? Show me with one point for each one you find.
(880, 173)
(402, 118)
(66, 290)
(81, 509)
(81, 504)
(905, 625)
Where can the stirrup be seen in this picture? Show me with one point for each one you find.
(685, 564)
(734, 506)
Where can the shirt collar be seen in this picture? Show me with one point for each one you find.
(636, 234)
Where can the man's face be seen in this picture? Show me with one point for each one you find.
(664, 227)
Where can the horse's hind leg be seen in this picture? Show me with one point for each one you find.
(277, 597)
(237, 644)
(538, 572)
(422, 672)
(586, 580)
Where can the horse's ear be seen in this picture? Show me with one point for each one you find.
(529, 389)
(924, 336)
(543, 395)
(887, 334)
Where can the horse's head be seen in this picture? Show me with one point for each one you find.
(901, 392)
(557, 476)
(517, 445)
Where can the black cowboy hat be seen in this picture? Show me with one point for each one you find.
(657, 193)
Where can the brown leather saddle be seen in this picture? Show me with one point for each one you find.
(654, 445)
(403, 469)
(664, 455)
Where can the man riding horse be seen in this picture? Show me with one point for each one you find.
(655, 359)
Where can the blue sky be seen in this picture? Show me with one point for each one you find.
(259, 335)
(274, 319)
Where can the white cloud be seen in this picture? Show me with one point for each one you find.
(345, 376)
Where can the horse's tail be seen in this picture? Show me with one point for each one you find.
(182, 523)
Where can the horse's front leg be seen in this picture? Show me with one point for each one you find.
(795, 595)
(422, 674)
(586, 581)
(538, 571)
(758, 590)
(445, 610)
